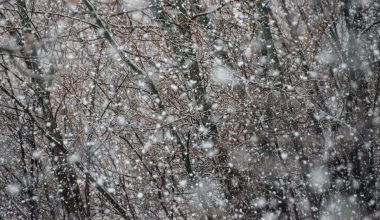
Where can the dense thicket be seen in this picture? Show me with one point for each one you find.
(189, 109)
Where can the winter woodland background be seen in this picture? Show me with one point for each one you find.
(189, 109)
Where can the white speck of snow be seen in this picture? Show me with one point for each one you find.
(254, 139)
(222, 74)
(13, 189)
(313, 74)
(140, 195)
(183, 183)
(73, 158)
(376, 52)
(248, 52)
(36, 154)
(174, 87)
(260, 202)
(100, 181)
(141, 84)
(207, 145)
(203, 130)
(284, 156)
(212, 152)
(275, 73)
(111, 190)
(121, 120)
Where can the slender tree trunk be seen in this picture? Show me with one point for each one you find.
(65, 173)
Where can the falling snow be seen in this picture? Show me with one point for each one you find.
(162, 109)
